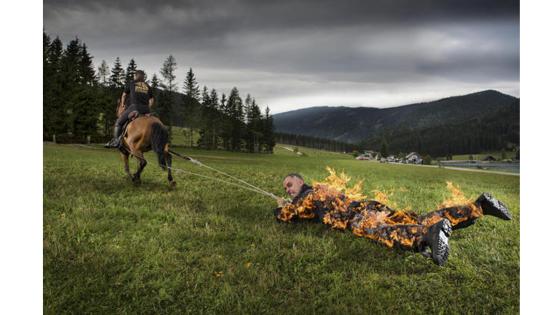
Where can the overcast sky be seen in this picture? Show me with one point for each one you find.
(292, 54)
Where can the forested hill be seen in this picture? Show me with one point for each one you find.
(461, 124)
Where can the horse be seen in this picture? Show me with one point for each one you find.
(142, 134)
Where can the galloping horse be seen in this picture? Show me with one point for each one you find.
(142, 134)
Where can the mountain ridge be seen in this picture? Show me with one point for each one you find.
(355, 124)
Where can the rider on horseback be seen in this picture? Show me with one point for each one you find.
(141, 100)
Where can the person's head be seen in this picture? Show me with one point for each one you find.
(292, 184)
(139, 75)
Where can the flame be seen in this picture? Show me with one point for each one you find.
(339, 182)
(457, 197)
(381, 196)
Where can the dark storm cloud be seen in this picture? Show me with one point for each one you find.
(309, 47)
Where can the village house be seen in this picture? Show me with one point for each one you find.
(413, 158)
(365, 156)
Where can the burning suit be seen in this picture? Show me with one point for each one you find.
(376, 221)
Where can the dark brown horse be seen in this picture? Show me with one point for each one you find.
(142, 134)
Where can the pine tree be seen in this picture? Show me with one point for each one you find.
(154, 82)
(84, 105)
(102, 73)
(70, 79)
(268, 131)
(117, 79)
(214, 117)
(247, 108)
(205, 97)
(223, 123)
(168, 73)
(205, 126)
(190, 86)
(165, 106)
(53, 103)
(46, 45)
(254, 127)
(116, 85)
(71, 63)
(54, 55)
(214, 102)
(155, 85)
(191, 104)
(223, 103)
(234, 111)
(130, 69)
(87, 72)
(47, 85)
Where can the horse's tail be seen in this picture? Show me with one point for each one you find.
(160, 139)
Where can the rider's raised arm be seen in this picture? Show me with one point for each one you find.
(151, 96)
(125, 92)
(123, 98)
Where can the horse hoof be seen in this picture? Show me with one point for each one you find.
(173, 184)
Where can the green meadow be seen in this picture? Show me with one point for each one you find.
(110, 247)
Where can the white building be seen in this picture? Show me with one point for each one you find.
(413, 158)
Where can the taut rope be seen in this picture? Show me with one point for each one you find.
(247, 185)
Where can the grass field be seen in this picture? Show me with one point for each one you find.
(113, 248)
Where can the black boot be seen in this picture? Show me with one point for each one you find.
(492, 206)
(116, 141)
(438, 241)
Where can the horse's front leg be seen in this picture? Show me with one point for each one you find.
(124, 157)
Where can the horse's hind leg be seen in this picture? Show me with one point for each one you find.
(124, 157)
(169, 176)
(141, 164)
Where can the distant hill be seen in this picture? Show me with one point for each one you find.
(478, 121)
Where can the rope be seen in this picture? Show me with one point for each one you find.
(254, 188)
(222, 181)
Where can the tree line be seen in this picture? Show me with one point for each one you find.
(81, 101)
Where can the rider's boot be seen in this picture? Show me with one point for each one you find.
(115, 142)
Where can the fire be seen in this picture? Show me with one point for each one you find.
(457, 197)
(381, 197)
(339, 182)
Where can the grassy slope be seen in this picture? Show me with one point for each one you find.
(205, 248)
